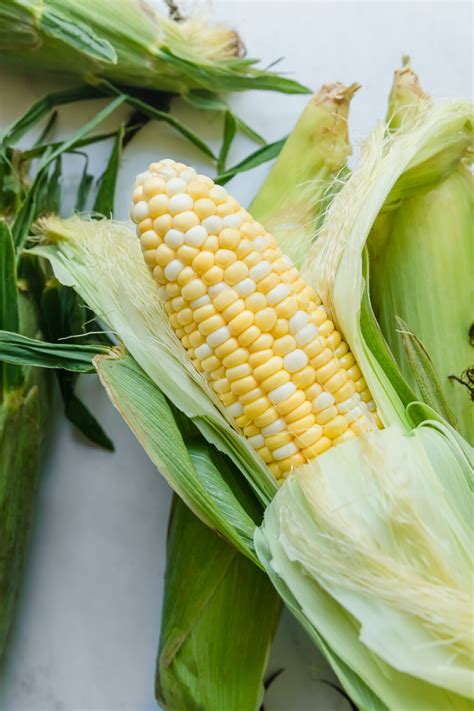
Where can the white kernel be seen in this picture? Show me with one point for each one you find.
(165, 161)
(276, 427)
(277, 294)
(347, 405)
(196, 236)
(295, 360)
(180, 203)
(287, 261)
(298, 321)
(139, 211)
(282, 393)
(256, 441)
(233, 221)
(219, 192)
(167, 172)
(175, 186)
(245, 287)
(260, 244)
(188, 174)
(218, 337)
(307, 334)
(203, 351)
(162, 293)
(322, 401)
(202, 301)
(371, 406)
(353, 414)
(284, 452)
(235, 410)
(141, 177)
(212, 224)
(173, 269)
(260, 270)
(217, 288)
(174, 238)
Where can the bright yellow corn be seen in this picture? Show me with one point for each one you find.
(248, 320)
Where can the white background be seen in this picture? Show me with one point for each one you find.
(87, 623)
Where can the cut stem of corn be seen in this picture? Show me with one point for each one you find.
(248, 321)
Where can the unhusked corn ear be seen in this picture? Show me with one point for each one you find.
(250, 323)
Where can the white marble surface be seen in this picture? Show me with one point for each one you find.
(88, 618)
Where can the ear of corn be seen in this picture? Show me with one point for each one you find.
(130, 43)
(427, 240)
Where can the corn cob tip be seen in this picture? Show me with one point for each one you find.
(247, 319)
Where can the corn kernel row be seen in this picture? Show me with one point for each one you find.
(248, 320)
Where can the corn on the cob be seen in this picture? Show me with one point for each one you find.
(248, 320)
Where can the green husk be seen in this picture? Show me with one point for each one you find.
(421, 257)
(129, 43)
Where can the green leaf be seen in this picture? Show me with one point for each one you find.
(84, 187)
(53, 197)
(230, 129)
(104, 201)
(79, 415)
(219, 617)
(249, 131)
(207, 100)
(21, 350)
(76, 35)
(262, 155)
(424, 372)
(10, 375)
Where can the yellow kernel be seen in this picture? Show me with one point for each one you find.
(290, 463)
(227, 398)
(276, 471)
(210, 364)
(221, 386)
(258, 407)
(242, 420)
(150, 257)
(236, 272)
(281, 328)
(341, 350)
(158, 205)
(218, 194)
(202, 262)
(226, 348)
(249, 229)
(203, 312)
(259, 357)
(304, 377)
(197, 189)
(244, 247)
(238, 371)
(290, 403)
(150, 240)
(159, 275)
(319, 317)
(172, 290)
(233, 310)
(169, 308)
(300, 413)
(354, 373)
(262, 342)
(251, 396)
(277, 440)
(225, 298)
(256, 301)
(177, 303)
(173, 319)
(217, 374)
(345, 437)
(204, 208)
(336, 427)
(162, 224)
(251, 430)
(251, 259)
(241, 322)
(268, 283)
(302, 423)
(196, 339)
(346, 361)
(284, 345)
(275, 380)
(324, 357)
(225, 257)
(186, 253)
(313, 391)
(164, 255)
(237, 357)
(193, 290)
(145, 225)
(309, 437)
(333, 340)
(271, 366)
(265, 454)
(185, 316)
(344, 392)
(287, 308)
(266, 418)
(190, 328)
(326, 328)
(314, 450)
(325, 416)
(336, 381)
(315, 347)
(247, 337)
(184, 220)
(298, 285)
(243, 385)
(211, 244)
(265, 319)
(211, 324)
(229, 238)
(225, 208)
(213, 275)
(185, 275)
